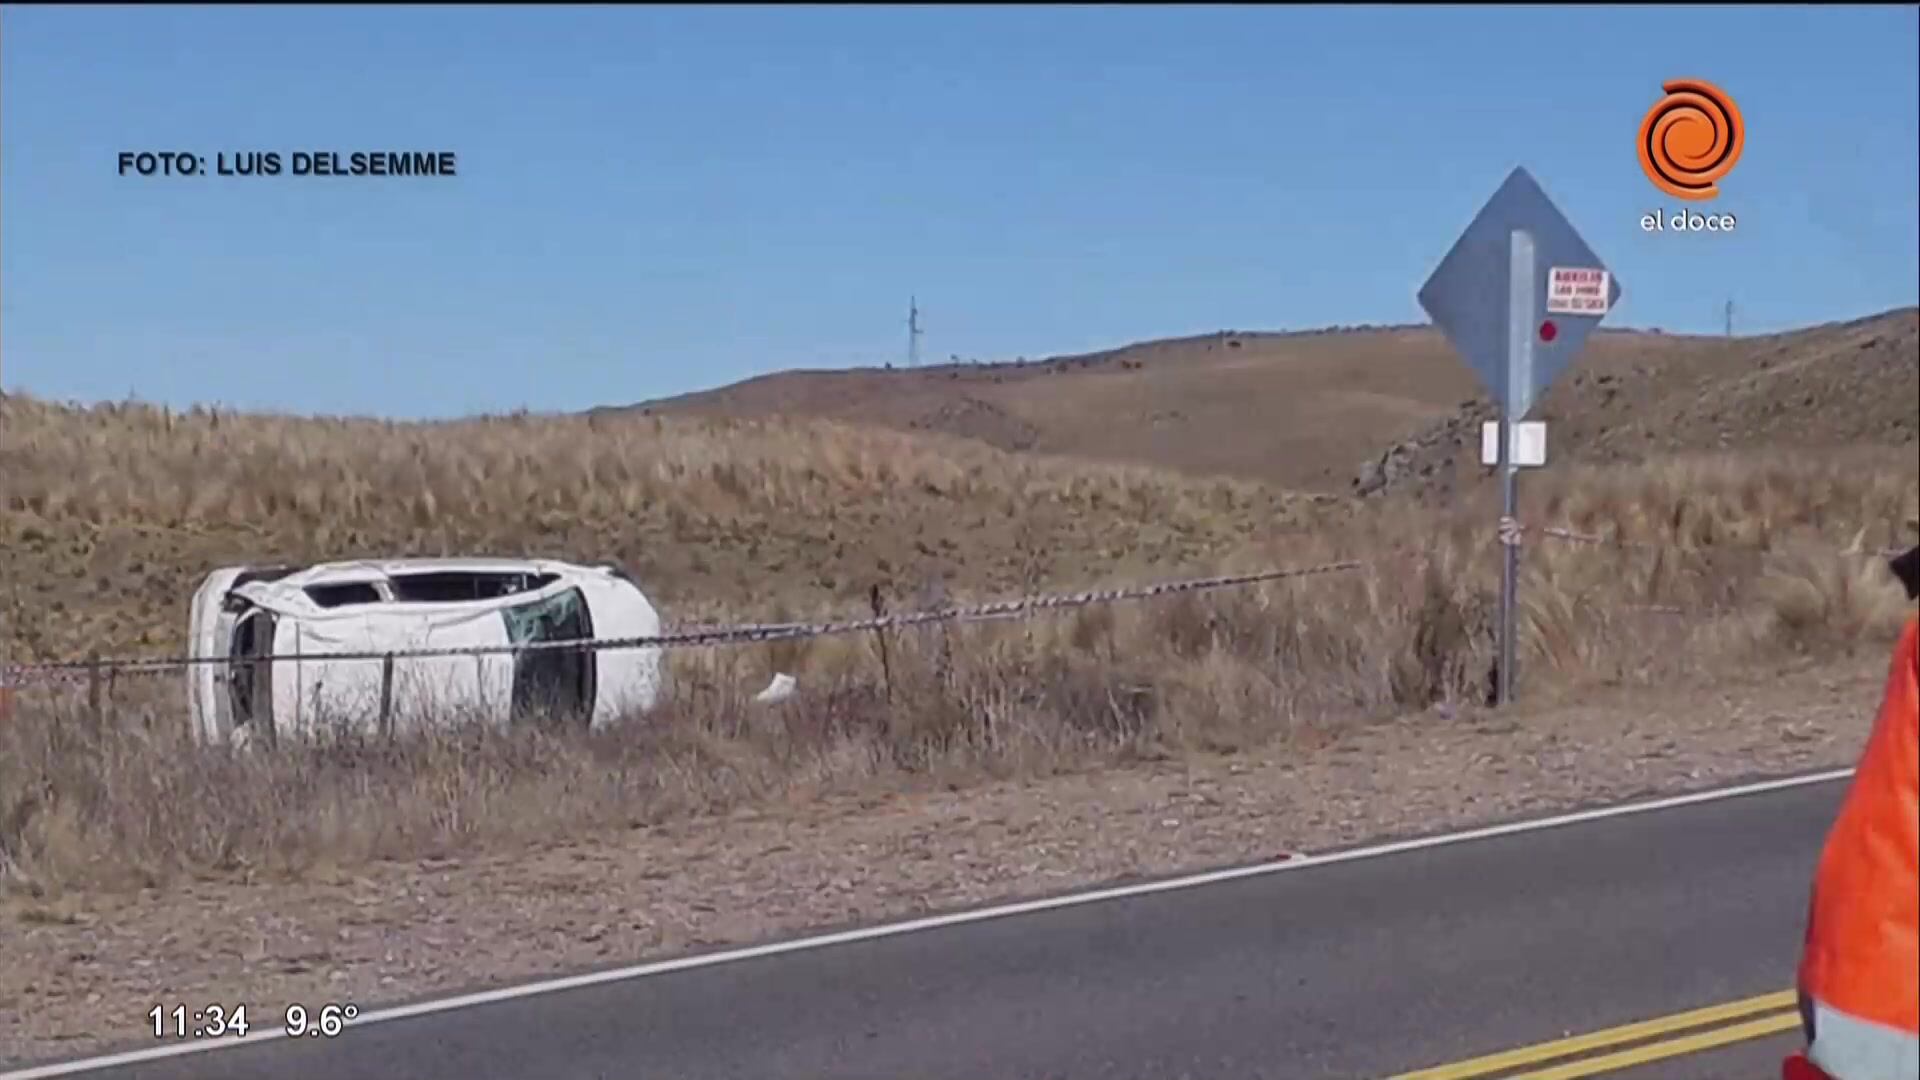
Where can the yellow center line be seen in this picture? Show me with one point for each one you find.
(1547, 1051)
(1688, 1044)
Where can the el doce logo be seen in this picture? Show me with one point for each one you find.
(1691, 139)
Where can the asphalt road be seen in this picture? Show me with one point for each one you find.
(1756, 1059)
(1351, 970)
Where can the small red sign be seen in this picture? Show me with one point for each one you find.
(1548, 331)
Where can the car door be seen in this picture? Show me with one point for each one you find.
(250, 676)
(552, 685)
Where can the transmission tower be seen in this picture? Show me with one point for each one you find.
(914, 331)
(1729, 318)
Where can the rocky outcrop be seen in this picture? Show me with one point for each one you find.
(1429, 461)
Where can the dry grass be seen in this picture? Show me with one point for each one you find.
(113, 513)
(1747, 551)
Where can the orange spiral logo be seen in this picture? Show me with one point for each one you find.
(1691, 139)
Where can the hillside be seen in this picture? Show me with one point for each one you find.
(113, 513)
(1316, 410)
(1843, 385)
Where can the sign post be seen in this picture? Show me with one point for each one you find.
(1518, 256)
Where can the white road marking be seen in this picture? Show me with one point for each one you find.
(936, 922)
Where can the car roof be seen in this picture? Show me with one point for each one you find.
(351, 570)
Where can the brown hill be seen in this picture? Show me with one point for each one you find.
(1321, 410)
(1840, 385)
(113, 512)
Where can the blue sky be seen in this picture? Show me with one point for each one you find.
(653, 200)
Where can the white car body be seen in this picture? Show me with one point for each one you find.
(382, 606)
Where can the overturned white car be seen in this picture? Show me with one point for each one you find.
(242, 615)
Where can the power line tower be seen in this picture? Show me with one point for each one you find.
(914, 331)
(1729, 318)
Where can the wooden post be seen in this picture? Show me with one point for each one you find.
(96, 709)
(880, 635)
(386, 696)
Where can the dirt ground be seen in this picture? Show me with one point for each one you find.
(80, 974)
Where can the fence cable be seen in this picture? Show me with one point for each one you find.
(734, 634)
(1510, 531)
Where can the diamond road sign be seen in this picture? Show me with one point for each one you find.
(1519, 293)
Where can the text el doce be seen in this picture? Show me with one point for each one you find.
(1686, 221)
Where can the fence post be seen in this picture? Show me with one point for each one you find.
(386, 696)
(96, 709)
(880, 635)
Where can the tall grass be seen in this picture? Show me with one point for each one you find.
(134, 802)
(1744, 568)
(111, 514)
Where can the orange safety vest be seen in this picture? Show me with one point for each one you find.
(1862, 952)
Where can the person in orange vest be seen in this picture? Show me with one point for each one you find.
(1859, 978)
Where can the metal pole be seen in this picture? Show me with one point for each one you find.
(1519, 386)
(1509, 562)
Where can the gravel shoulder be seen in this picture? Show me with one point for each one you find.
(79, 975)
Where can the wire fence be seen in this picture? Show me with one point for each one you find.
(1516, 532)
(1510, 532)
(733, 634)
